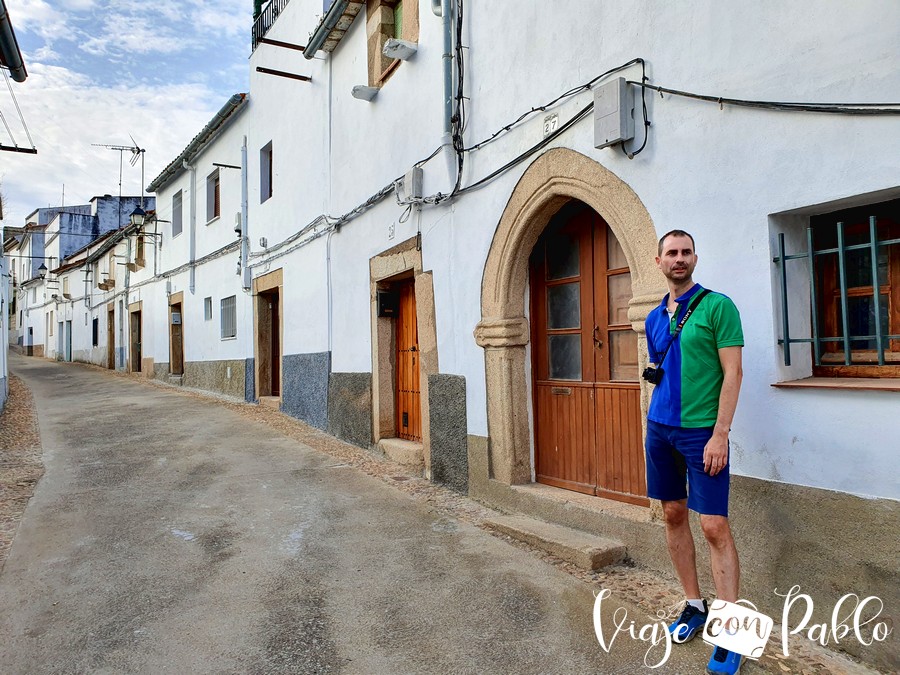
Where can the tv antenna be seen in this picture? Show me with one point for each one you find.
(137, 153)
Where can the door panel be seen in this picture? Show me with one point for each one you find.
(177, 361)
(586, 393)
(111, 340)
(567, 458)
(408, 404)
(276, 343)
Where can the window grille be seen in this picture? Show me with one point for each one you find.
(176, 214)
(207, 308)
(229, 318)
(853, 269)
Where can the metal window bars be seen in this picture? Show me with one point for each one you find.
(841, 250)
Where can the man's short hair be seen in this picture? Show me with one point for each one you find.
(676, 233)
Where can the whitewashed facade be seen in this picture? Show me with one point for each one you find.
(815, 466)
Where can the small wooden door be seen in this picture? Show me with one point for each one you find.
(111, 339)
(176, 317)
(68, 340)
(409, 415)
(268, 365)
(586, 393)
(136, 342)
(276, 344)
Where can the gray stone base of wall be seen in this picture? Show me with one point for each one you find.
(161, 371)
(449, 445)
(350, 407)
(304, 387)
(250, 380)
(829, 543)
(4, 392)
(224, 377)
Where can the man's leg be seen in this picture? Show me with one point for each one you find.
(681, 546)
(723, 556)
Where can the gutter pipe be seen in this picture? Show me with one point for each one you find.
(447, 62)
(193, 244)
(317, 39)
(245, 236)
(10, 54)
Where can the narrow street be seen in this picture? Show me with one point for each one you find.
(170, 535)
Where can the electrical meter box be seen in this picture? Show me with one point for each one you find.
(613, 113)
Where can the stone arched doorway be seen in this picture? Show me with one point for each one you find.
(554, 179)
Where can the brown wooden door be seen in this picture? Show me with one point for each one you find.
(135, 342)
(409, 416)
(177, 361)
(111, 339)
(586, 393)
(275, 349)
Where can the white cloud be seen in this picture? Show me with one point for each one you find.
(67, 112)
(94, 68)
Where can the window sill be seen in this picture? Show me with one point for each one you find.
(212, 220)
(226, 339)
(843, 383)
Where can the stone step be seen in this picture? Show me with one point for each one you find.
(408, 453)
(271, 401)
(579, 548)
(177, 380)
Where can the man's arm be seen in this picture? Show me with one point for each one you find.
(715, 454)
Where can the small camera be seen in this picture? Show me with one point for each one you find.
(653, 375)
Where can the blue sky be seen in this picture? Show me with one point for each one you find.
(100, 71)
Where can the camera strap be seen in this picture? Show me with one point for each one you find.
(690, 310)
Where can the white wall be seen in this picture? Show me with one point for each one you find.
(717, 173)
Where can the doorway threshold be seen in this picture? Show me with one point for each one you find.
(271, 401)
(589, 504)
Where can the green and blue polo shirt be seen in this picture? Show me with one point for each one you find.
(688, 395)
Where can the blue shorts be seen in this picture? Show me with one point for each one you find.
(675, 469)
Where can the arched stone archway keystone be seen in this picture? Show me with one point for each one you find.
(556, 177)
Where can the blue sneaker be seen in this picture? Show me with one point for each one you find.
(686, 626)
(723, 661)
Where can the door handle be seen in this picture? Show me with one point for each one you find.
(598, 343)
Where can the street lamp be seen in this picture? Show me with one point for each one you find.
(138, 216)
(42, 271)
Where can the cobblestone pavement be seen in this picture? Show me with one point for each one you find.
(20, 468)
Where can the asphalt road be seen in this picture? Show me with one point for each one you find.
(169, 534)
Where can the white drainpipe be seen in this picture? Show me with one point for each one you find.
(193, 240)
(447, 59)
(245, 232)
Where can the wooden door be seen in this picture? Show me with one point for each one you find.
(586, 393)
(111, 339)
(176, 362)
(409, 416)
(135, 342)
(275, 332)
(68, 340)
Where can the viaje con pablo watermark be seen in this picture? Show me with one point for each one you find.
(739, 627)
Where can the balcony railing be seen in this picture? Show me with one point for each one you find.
(267, 19)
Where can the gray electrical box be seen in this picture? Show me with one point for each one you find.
(412, 183)
(613, 113)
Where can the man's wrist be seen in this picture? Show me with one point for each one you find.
(721, 431)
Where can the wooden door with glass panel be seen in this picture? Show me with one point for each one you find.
(586, 393)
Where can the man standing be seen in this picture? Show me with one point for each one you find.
(694, 340)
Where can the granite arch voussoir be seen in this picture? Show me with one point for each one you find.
(556, 177)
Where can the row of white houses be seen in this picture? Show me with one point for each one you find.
(450, 255)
